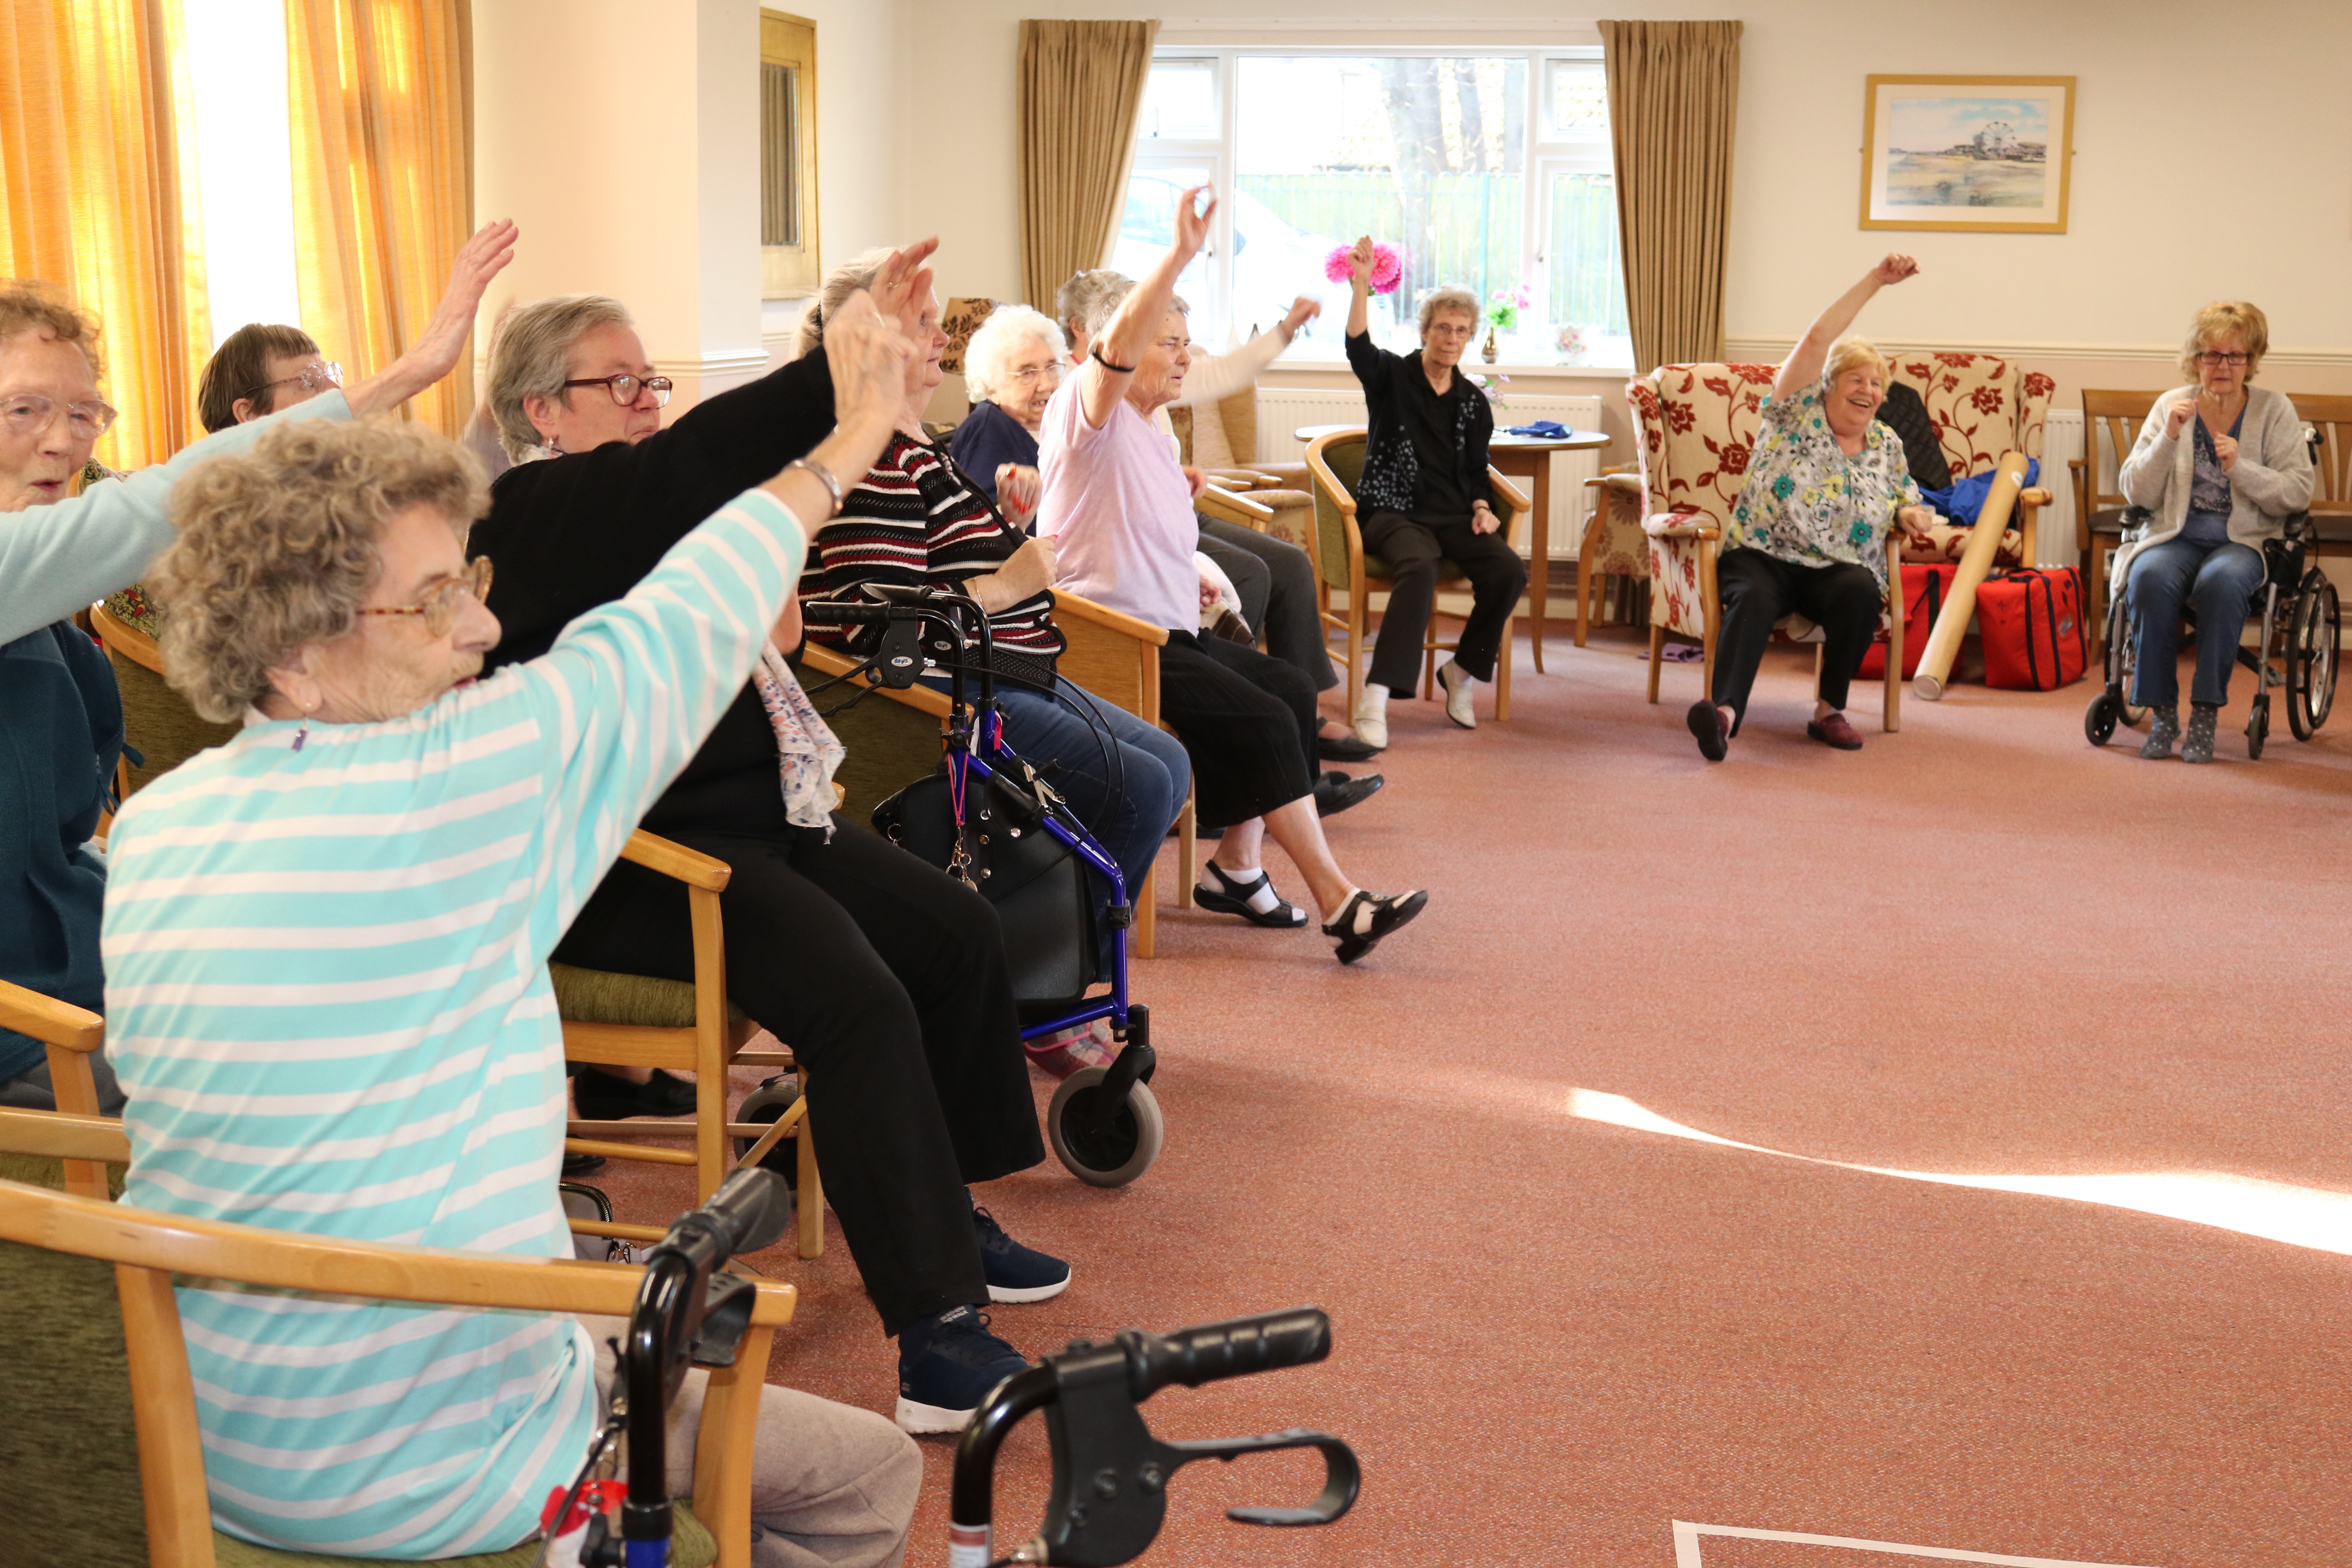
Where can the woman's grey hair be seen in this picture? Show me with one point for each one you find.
(2227, 319)
(1075, 298)
(1460, 300)
(857, 272)
(1009, 328)
(1110, 296)
(530, 356)
(277, 546)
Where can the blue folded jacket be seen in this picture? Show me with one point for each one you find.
(1543, 430)
(1962, 501)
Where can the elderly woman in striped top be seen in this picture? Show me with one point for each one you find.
(327, 947)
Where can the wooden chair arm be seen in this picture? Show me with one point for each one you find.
(2033, 495)
(691, 867)
(62, 1136)
(1079, 607)
(1627, 485)
(91, 1228)
(1682, 525)
(50, 1021)
(832, 661)
(1231, 508)
(1510, 494)
(125, 638)
(1246, 479)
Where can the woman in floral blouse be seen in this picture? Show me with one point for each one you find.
(1807, 536)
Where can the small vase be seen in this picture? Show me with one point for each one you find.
(1486, 351)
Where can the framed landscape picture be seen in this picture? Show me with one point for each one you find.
(1985, 152)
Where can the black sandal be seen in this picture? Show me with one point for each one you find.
(1366, 917)
(1231, 898)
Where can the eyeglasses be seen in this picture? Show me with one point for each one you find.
(439, 607)
(2209, 357)
(1029, 376)
(24, 413)
(327, 373)
(623, 387)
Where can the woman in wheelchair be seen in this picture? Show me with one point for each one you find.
(2223, 465)
(1807, 536)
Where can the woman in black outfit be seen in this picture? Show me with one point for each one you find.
(887, 977)
(1425, 498)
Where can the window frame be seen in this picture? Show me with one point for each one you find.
(1547, 153)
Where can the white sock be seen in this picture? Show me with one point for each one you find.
(1375, 702)
(1264, 899)
(1345, 898)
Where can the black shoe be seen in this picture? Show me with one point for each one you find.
(582, 1165)
(947, 1365)
(1366, 917)
(602, 1097)
(1344, 747)
(1336, 792)
(1706, 722)
(1016, 1273)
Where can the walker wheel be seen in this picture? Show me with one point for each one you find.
(1104, 1146)
(2258, 729)
(2099, 720)
(766, 1104)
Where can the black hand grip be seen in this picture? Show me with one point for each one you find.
(826, 613)
(1233, 1349)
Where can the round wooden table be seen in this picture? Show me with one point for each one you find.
(1528, 458)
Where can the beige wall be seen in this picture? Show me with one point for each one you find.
(2208, 164)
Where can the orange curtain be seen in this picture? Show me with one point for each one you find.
(98, 198)
(380, 97)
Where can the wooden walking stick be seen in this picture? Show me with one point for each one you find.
(1984, 543)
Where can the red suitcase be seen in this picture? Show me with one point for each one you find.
(1926, 586)
(2033, 631)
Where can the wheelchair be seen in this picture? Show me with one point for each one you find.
(2298, 649)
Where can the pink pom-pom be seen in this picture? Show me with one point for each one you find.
(1387, 266)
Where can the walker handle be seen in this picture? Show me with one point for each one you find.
(1235, 1348)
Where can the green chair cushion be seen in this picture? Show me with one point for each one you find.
(692, 1545)
(640, 1001)
(158, 722)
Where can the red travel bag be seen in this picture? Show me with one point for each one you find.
(2031, 623)
(1926, 586)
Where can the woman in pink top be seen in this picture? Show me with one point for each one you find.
(1120, 512)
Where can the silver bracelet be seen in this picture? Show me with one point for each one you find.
(824, 477)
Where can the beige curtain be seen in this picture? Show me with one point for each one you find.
(1081, 87)
(96, 157)
(380, 95)
(1673, 96)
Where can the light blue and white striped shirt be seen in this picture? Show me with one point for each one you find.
(327, 996)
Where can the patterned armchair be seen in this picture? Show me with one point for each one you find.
(1983, 407)
(1698, 424)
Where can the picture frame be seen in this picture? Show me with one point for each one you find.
(1987, 154)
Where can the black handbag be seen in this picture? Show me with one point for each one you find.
(1002, 850)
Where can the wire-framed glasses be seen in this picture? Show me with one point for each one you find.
(22, 412)
(624, 387)
(1028, 375)
(310, 379)
(439, 607)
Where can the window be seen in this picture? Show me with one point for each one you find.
(788, 253)
(1490, 171)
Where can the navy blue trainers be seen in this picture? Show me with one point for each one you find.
(947, 1365)
(1016, 1273)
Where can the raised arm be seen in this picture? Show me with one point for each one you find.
(1215, 377)
(1804, 365)
(1102, 381)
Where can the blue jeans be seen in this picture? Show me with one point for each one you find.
(2220, 581)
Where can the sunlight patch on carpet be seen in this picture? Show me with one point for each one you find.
(2274, 1211)
(1687, 1552)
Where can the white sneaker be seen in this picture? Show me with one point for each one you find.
(1458, 683)
(1372, 716)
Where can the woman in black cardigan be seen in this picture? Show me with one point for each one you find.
(887, 977)
(1424, 497)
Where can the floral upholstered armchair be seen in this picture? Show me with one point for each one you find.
(1983, 407)
(1697, 425)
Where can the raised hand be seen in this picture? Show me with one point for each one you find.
(2177, 417)
(1018, 488)
(1303, 310)
(867, 355)
(902, 288)
(1192, 228)
(2226, 448)
(1893, 269)
(1360, 264)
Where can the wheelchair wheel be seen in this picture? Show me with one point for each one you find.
(1104, 1146)
(2122, 662)
(2258, 729)
(766, 1104)
(2311, 645)
(2099, 718)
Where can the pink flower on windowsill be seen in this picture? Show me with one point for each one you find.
(1387, 266)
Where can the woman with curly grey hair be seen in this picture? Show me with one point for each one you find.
(327, 945)
(1011, 365)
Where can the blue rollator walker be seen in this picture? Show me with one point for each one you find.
(991, 821)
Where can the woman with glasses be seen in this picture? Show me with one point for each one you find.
(1011, 367)
(60, 714)
(259, 369)
(886, 978)
(2222, 464)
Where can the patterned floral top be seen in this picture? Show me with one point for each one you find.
(1806, 502)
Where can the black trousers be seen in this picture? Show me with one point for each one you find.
(1757, 589)
(888, 978)
(1247, 721)
(1277, 583)
(1414, 550)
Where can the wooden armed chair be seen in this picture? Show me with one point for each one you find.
(106, 1460)
(1117, 658)
(156, 719)
(612, 1019)
(1698, 424)
(892, 738)
(2330, 417)
(1336, 462)
(1614, 544)
(2116, 418)
(71, 1035)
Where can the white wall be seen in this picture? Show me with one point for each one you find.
(2211, 161)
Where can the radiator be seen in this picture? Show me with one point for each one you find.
(2061, 441)
(1282, 410)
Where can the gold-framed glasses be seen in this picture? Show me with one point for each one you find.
(1029, 376)
(439, 605)
(22, 412)
(310, 379)
(626, 387)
